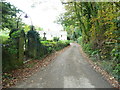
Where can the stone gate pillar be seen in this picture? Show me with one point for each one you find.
(21, 46)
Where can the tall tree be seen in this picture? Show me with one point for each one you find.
(9, 16)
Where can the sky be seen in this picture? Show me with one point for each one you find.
(43, 14)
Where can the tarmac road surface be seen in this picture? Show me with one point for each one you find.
(68, 70)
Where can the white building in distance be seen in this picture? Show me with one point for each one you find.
(51, 34)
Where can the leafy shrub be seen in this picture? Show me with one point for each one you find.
(87, 48)
(56, 39)
(3, 37)
(108, 66)
(116, 72)
(62, 44)
(49, 43)
(9, 55)
(79, 40)
(52, 46)
(115, 53)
